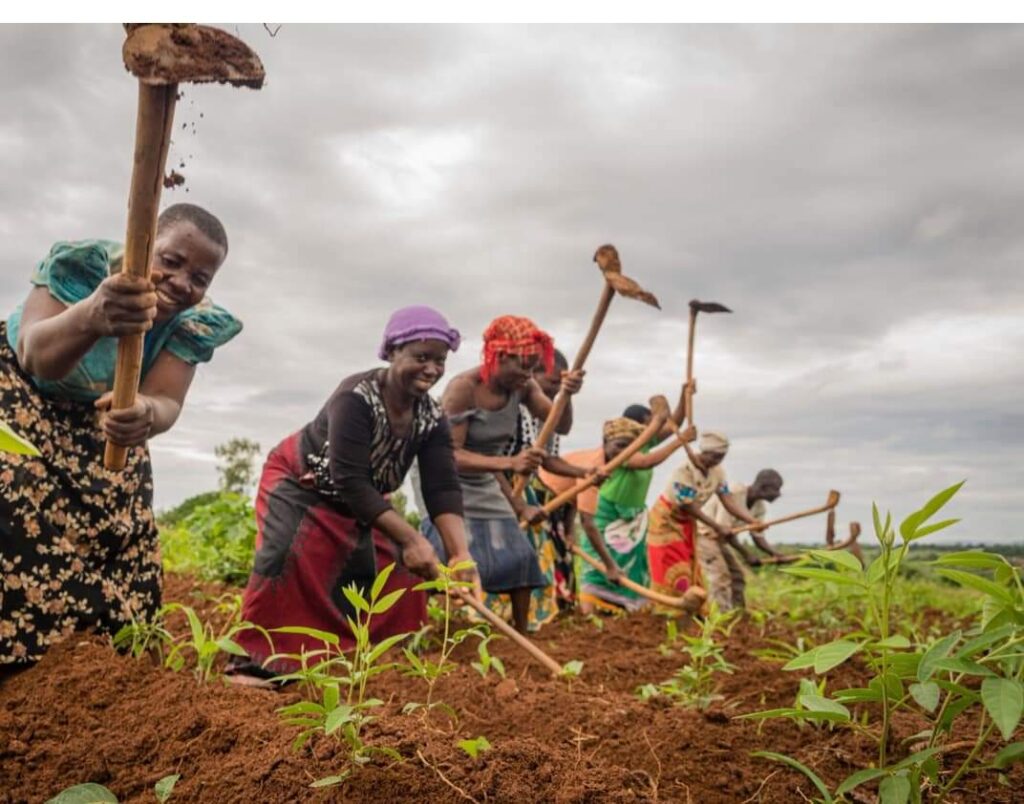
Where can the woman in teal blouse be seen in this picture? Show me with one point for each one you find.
(78, 544)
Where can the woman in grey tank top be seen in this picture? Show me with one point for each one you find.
(482, 405)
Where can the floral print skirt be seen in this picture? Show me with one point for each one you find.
(78, 543)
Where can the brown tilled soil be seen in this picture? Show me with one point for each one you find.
(87, 714)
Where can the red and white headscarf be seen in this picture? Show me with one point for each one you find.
(515, 335)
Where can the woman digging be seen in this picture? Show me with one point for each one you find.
(322, 512)
(483, 406)
(78, 544)
(550, 537)
(620, 521)
(670, 539)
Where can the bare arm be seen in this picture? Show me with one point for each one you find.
(597, 542)
(457, 399)
(560, 466)
(648, 460)
(539, 405)
(53, 337)
(737, 509)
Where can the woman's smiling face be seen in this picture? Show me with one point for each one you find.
(187, 261)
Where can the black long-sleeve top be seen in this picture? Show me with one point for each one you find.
(354, 458)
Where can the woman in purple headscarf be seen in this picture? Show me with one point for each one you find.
(322, 508)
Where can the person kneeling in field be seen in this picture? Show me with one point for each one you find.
(323, 517)
(78, 543)
(670, 540)
(723, 575)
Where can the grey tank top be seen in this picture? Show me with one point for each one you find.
(490, 432)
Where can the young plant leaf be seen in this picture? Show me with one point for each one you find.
(380, 581)
(572, 668)
(1004, 701)
(894, 790)
(386, 602)
(910, 528)
(833, 654)
(936, 653)
(818, 703)
(330, 781)
(857, 779)
(355, 598)
(320, 636)
(1014, 752)
(84, 794)
(984, 585)
(163, 789)
(893, 643)
(814, 778)
(978, 559)
(841, 558)
(475, 747)
(926, 694)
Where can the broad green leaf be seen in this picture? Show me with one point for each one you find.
(904, 665)
(1004, 701)
(163, 789)
(894, 642)
(833, 654)
(380, 581)
(387, 601)
(928, 530)
(842, 558)
(322, 636)
(909, 528)
(84, 794)
(650, 690)
(814, 778)
(301, 708)
(978, 559)
(857, 779)
(332, 697)
(926, 694)
(936, 653)
(356, 600)
(952, 711)
(818, 703)
(984, 585)
(894, 790)
(1014, 752)
(11, 442)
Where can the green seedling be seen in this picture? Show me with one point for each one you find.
(340, 706)
(475, 747)
(487, 661)
(206, 644)
(977, 671)
(694, 683)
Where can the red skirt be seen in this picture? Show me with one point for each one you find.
(671, 551)
(307, 550)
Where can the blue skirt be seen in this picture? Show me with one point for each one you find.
(503, 553)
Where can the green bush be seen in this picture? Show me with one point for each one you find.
(214, 540)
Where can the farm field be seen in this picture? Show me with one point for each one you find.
(87, 714)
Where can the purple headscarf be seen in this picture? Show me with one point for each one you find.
(417, 323)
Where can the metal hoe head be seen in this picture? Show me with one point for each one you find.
(659, 407)
(184, 53)
(833, 499)
(708, 307)
(607, 259)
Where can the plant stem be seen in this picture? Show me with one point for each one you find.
(983, 734)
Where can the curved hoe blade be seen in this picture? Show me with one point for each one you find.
(833, 499)
(183, 53)
(659, 407)
(607, 259)
(708, 307)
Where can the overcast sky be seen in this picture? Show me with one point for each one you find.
(854, 194)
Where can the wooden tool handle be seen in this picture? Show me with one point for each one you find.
(833, 500)
(660, 413)
(643, 591)
(562, 399)
(510, 632)
(152, 140)
(689, 366)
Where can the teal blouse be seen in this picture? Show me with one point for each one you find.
(71, 272)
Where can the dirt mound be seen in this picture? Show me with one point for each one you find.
(86, 714)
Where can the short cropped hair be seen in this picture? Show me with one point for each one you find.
(204, 221)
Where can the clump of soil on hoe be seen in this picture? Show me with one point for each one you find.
(87, 714)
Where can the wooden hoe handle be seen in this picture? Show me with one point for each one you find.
(643, 591)
(496, 622)
(152, 139)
